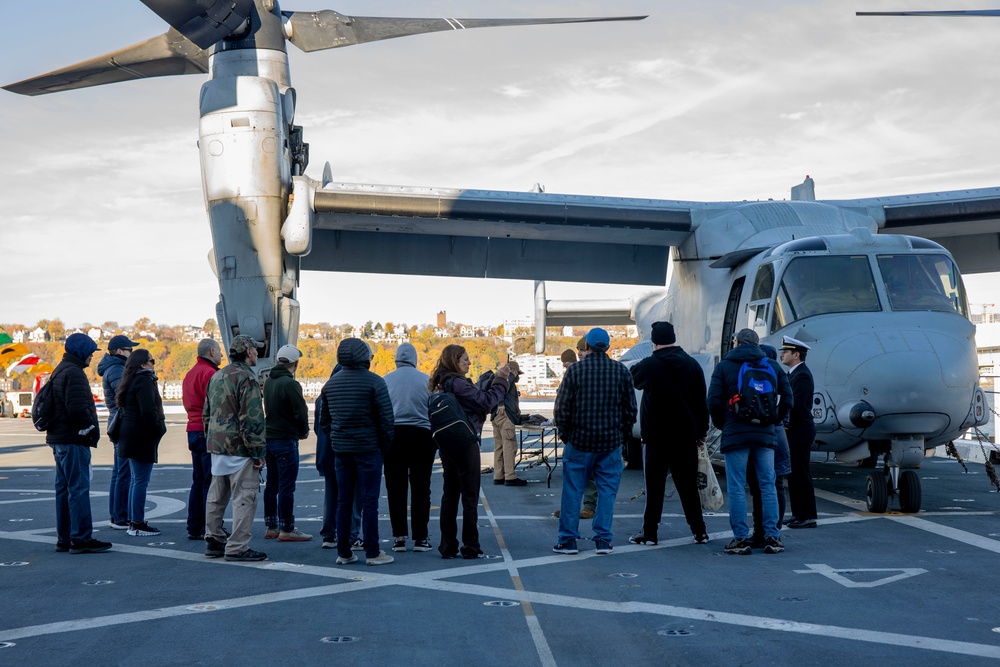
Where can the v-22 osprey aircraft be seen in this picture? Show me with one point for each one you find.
(871, 284)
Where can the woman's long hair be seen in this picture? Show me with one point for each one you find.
(447, 364)
(132, 366)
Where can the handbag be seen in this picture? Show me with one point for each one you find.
(709, 490)
(115, 425)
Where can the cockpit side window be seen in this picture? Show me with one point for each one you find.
(760, 300)
(923, 282)
(825, 284)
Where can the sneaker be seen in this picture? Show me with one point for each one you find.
(498, 481)
(642, 538)
(247, 556)
(271, 533)
(603, 547)
(293, 535)
(329, 544)
(801, 523)
(214, 548)
(701, 538)
(118, 525)
(773, 545)
(422, 545)
(567, 547)
(586, 514)
(358, 545)
(62, 547)
(192, 536)
(142, 529)
(382, 559)
(472, 554)
(556, 513)
(517, 481)
(341, 560)
(399, 544)
(90, 546)
(739, 547)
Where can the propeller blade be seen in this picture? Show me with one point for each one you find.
(968, 12)
(314, 31)
(204, 22)
(166, 55)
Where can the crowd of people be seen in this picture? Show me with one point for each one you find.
(242, 434)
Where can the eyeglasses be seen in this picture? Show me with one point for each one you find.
(151, 361)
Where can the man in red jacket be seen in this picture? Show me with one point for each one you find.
(194, 388)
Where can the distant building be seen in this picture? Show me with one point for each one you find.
(95, 334)
(442, 320)
(524, 323)
(39, 335)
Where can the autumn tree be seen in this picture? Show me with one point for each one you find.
(210, 328)
(367, 331)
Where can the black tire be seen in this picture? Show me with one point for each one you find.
(909, 492)
(876, 493)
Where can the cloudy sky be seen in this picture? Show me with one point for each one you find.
(706, 100)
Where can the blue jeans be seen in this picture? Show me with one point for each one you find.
(363, 471)
(782, 455)
(121, 476)
(279, 492)
(736, 479)
(201, 480)
(141, 472)
(74, 522)
(329, 530)
(578, 466)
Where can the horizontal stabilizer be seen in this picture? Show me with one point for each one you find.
(314, 31)
(204, 22)
(169, 54)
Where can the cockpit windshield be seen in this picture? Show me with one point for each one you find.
(825, 284)
(922, 282)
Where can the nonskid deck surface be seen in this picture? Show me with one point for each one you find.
(895, 588)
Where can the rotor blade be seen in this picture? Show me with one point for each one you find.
(204, 22)
(314, 31)
(968, 12)
(166, 55)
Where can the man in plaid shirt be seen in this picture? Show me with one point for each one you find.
(594, 411)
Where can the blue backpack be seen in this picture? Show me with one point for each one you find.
(450, 426)
(757, 399)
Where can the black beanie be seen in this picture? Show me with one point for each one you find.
(663, 333)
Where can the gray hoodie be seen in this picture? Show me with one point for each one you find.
(408, 389)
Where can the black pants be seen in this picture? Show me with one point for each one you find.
(801, 494)
(754, 484)
(461, 467)
(408, 464)
(681, 461)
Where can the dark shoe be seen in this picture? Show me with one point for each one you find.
(739, 547)
(567, 547)
(62, 547)
(142, 529)
(90, 546)
(214, 548)
(517, 481)
(701, 538)
(498, 481)
(603, 547)
(195, 537)
(422, 545)
(757, 541)
(399, 544)
(469, 553)
(586, 514)
(447, 555)
(118, 525)
(247, 556)
(801, 523)
(773, 545)
(556, 514)
(642, 538)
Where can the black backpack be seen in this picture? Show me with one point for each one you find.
(757, 400)
(450, 426)
(485, 380)
(43, 407)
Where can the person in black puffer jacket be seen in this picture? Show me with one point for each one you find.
(143, 425)
(359, 422)
(73, 430)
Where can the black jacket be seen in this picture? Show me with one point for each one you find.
(73, 405)
(801, 428)
(143, 423)
(736, 433)
(358, 411)
(286, 414)
(673, 409)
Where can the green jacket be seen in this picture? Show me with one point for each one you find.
(284, 406)
(234, 413)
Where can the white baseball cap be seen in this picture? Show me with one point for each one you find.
(289, 354)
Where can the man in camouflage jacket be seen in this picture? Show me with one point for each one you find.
(234, 434)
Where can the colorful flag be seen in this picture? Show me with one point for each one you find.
(23, 364)
(11, 351)
(4, 338)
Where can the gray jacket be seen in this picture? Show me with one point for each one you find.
(408, 389)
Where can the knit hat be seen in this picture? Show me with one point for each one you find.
(663, 333)
(581, 344)
(80, 345)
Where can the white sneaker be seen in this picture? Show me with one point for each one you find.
(347, 561)
(382, 559)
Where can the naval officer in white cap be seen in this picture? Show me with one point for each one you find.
(801, 432)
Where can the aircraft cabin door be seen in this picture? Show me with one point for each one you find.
(729, 323)
(759, 309)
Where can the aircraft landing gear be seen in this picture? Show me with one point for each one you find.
(904, 485)
(876, 493)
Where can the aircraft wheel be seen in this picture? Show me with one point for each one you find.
(909, 492)
(876, 493)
